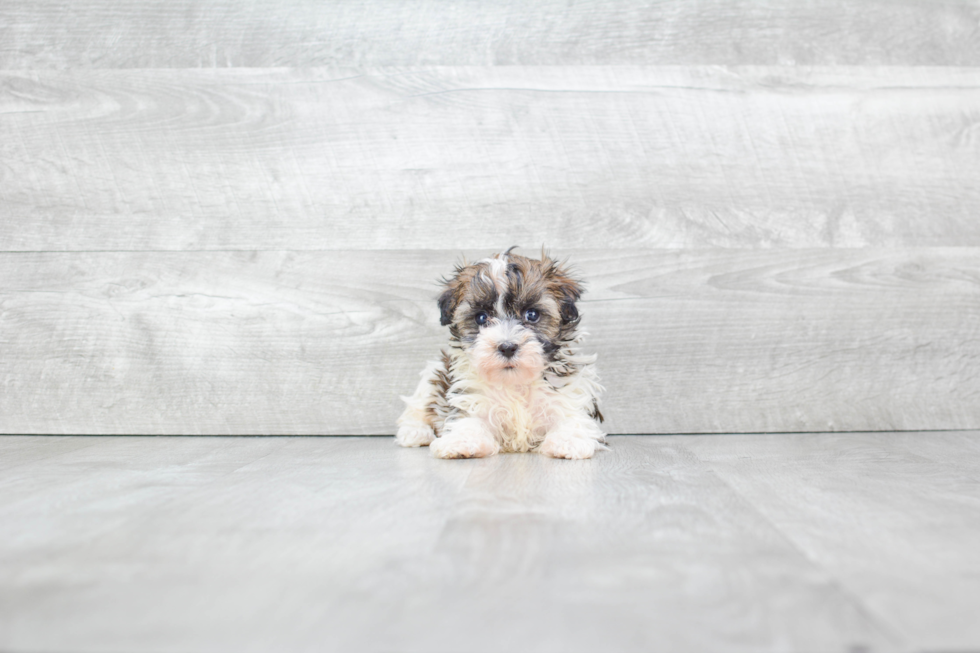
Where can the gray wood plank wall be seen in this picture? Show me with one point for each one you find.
(229, 217)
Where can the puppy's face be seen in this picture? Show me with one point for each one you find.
(511, 314)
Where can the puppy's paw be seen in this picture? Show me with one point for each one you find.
(572, 440)
(414, 435)
(467, 438)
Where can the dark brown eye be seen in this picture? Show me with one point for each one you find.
(481, 318)
(531, 315)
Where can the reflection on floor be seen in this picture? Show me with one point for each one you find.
(830, 542)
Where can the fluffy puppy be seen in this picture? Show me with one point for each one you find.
(512, 378)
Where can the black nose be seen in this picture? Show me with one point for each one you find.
(508, 349)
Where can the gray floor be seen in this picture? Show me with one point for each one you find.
(831, 542)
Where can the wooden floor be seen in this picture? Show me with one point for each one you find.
(810, 542)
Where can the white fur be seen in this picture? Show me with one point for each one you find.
(413, 431)
(574, 437)
(468, 437)
(523, 368)
(544, 414)
(524, 415)
(498, 272)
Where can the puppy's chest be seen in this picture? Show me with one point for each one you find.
(519, 414)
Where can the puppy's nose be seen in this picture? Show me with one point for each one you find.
(507, 349)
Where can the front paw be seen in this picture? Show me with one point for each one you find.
(467, 438)
(572, 440)
(414, 435)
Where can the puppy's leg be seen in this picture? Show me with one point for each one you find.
(467, 437)
(414, 425)
(573, 437)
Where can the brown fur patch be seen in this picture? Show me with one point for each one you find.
(437, 409)
(455, 290)
(595, 413)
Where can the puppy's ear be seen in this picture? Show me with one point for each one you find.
(447, 306)
(452, 294)
(570, 292)
(569, 312)
(566, 289)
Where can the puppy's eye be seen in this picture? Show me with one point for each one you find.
(481, 318)
(531, 315)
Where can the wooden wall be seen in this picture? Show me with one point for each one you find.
(228, 217)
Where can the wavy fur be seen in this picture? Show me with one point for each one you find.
(512, 378)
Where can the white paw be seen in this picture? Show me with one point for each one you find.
(574, 440)
(414, 435)
(466, 438)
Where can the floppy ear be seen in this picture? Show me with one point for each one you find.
(566, 289)
(447, 306)
(453, 294)
(569, 313)
(571, 291)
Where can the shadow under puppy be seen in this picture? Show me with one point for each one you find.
(512, 378)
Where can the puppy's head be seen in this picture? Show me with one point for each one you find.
(511, 314)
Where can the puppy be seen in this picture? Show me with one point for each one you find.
(512, 378)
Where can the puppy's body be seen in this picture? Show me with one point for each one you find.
(512, 378)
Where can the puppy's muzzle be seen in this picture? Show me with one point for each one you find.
(507, 349)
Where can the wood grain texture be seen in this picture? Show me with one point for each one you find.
(352, 544)
(471, 157)
(223, 33)
(323, 342)
(891, 517)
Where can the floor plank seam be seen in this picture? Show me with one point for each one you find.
(885, 630)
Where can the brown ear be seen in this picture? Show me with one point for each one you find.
(447, 306)
(571, 291)
(453, 294)
(566, 289)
